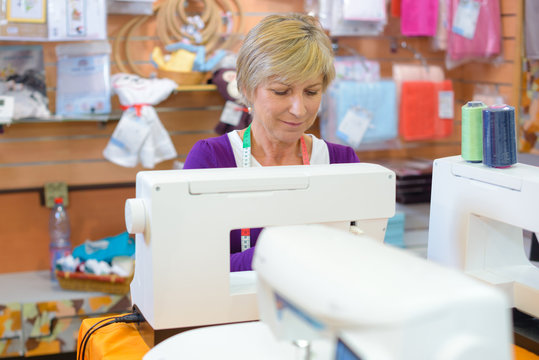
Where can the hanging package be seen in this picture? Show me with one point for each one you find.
(22, 83)
(355, 112)
(88, 64)
(475, 31)
(353, 18)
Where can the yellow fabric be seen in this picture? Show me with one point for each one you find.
(115, 341)
(122, 341)
(180, 60)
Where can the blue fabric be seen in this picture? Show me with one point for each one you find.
(112, 246)
(378, 98)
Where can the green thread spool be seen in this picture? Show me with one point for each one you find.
(472, 131)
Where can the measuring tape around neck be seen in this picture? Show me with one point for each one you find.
(246, 162)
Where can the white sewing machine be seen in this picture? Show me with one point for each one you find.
(477, 215)
(182, 220)
(352, 297)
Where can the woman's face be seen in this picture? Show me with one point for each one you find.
(286, 111)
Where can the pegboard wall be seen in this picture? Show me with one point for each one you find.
(32, 154)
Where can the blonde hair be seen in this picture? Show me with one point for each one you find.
(288, 48)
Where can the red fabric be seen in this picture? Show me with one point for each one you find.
(418, 113)
(395, 9)
(138, 107)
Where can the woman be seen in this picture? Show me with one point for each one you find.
(283, 67)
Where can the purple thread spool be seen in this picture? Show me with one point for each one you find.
(499, 136)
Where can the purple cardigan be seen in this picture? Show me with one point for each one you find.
(217, 153)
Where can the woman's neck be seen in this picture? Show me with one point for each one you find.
(269, 151)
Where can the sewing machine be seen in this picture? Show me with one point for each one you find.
(341, 296)
(477, 215)
(183, 218)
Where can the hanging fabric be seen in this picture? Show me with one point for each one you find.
(419, 17)
(439, 40)
(353, 18)
(412, 72)
(369, 107)
(424, 110)
(475, 31)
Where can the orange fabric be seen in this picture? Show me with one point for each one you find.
(117, 341)
(523, 354)
(45, 348)
(418, 113)
(122, 341)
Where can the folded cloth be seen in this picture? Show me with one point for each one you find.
(419, 111)
(106, 248)
(419, 17)
(413, 72)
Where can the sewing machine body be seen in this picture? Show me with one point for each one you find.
(182, 220)
(339, 290)
(477, 215)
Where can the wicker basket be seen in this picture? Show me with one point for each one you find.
(185, 77)
(111, 284)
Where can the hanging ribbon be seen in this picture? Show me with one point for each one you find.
(137, 107)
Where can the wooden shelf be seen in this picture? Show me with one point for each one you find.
(204, 87)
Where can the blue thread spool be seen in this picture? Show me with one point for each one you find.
(499, 136)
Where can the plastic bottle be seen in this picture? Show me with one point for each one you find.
(60, 234)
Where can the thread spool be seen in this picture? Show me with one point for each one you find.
(472, 131)
(499, 136)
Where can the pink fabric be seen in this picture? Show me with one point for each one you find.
(439, 41)
(419, 17)
(487, 37)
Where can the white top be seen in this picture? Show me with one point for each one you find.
(319, 154)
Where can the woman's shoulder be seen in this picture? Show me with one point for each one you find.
(341, 153)
(210, 153)
(218, 141)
